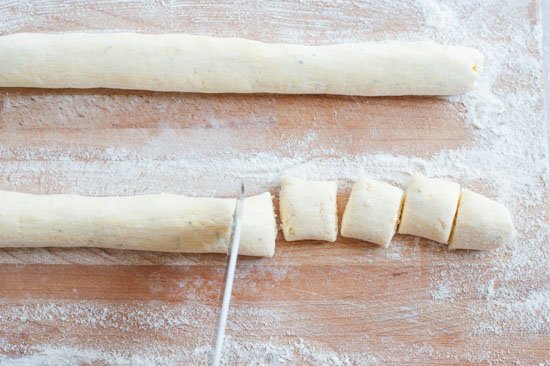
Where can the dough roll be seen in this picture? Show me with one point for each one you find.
(162, 222)
(189, 63)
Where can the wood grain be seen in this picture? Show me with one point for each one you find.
(413, 304)
(130, 119)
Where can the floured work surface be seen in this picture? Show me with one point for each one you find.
(336, 303)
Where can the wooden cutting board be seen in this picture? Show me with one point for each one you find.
(314, 303)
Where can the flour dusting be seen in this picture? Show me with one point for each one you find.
(501, 298)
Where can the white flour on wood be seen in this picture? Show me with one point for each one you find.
(507, 158)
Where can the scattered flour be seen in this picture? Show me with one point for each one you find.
(507, 158)
(443, 292)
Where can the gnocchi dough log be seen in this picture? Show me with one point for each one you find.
(308, 209)
(190, 63)
(429, 208)
(163, 222)
(372, 212)
(481, 223)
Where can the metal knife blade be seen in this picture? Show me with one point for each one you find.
(232, 253)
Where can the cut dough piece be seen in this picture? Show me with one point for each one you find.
(372, 212)
(308, 209)
(429, 208)
(161, 222)
(481, 223)
(189, 63)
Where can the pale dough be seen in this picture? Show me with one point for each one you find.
(481, 223)
(308, 209)
(429, 208)
(189, 63)
(372, 212)
(161, 222)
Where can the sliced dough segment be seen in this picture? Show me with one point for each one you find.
(159, 222)
(429, 208)
(308, 209)
(481, 223)
(372, 212)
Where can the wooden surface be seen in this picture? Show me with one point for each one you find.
(314, 303)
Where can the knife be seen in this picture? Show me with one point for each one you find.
(232, 253)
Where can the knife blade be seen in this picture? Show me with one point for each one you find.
(232, 253)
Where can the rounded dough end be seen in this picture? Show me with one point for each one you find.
(481, 223)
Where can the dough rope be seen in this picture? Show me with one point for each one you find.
(161, 222)
(431, 208)
(201, 64)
